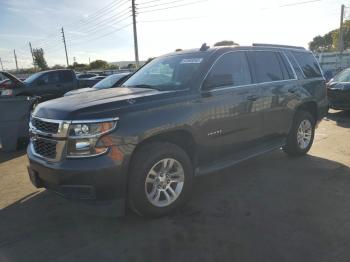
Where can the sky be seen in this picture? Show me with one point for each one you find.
(103, 29)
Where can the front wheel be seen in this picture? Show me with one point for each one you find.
(160, 179)
(301, 134)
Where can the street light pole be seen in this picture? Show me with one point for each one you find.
(341, 41)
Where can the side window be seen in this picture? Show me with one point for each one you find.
(230, 70)
(66, 76)
(308, 64)
(43, 79)
(295, 65)
(266, 66)
(53, 77)
(286, 67)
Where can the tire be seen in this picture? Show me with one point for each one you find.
(151, 162)
(295, 147)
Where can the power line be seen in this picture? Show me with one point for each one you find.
(152, 1)
(88, 22)
(79, 23)
(84, 25)
(156, 5)
(107, 34)
(292, 4)
(171, 7)
(300, 3)
(171, 20)
(110, 21)
(95, 14)
(96, 30)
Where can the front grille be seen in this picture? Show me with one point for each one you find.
(46, 127)
(45, 148)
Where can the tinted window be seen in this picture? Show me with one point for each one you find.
(286, 67)
(230, 70)
(308, 64)
(49, 78)
(266, 66)
(66, 76)
(295, 65)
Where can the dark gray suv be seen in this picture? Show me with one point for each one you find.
(182, 115)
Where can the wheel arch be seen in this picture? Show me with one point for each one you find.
(309, 106)
(181, 137)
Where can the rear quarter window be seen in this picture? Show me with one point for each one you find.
(308, 64)
(267, 66)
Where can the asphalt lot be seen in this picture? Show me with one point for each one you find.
(271, 208)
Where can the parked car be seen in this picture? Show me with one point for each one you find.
(46, 84)
(182, 115)
(109, 82)
(86, 75)
(338, 90)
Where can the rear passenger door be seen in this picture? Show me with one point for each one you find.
(277, 82)
(230, 120)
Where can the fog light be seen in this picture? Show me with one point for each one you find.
(82, 145)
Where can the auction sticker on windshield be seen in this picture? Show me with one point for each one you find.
(191, 60)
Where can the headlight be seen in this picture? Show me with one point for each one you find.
(84, 137)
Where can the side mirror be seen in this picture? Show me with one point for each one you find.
(218, 81)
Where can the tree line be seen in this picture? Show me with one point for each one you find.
(330, 41)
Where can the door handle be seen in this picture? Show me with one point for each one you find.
(252, 97)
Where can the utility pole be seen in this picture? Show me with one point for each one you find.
(341, 41)
(133, 6)
(31, 51)
(65, 46)
(14, 52)
(2, 67)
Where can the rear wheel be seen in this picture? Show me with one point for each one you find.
(301, 134)
(160, 179)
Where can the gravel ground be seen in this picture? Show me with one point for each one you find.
(271, 208)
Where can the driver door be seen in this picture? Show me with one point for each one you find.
(231, 119)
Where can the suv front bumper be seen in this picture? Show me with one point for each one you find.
(99, 178)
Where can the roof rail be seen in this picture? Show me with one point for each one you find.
(281, 46)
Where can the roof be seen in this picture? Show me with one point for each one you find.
(215, 49)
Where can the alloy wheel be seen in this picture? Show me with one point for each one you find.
(164, 182)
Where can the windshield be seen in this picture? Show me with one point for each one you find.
(109, 81)
(343, 76)
(167, 73)
(32, 78)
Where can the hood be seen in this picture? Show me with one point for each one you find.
(80, 90)
(18, 82)
(99, 104)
